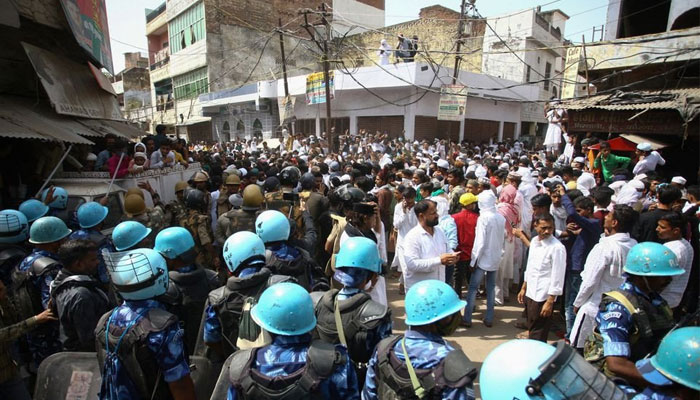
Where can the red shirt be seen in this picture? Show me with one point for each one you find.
(466, 232)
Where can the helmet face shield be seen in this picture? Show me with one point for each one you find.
(137, 274)
(567, 375)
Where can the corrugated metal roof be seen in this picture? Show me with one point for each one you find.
(675, 99)
(22, 119)
(105, 127)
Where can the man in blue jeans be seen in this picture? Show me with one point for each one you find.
(587, 231)
(486, 256)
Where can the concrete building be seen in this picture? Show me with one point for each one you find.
(527, 46)
(490, 114)
(200, 46)
(133, 87)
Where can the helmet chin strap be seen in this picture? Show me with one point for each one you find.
(646, 282)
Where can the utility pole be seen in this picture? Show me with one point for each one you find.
(585, 64)
(284, 72)
(326, 64)
(460, 30)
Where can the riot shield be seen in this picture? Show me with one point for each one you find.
(68, 376)
(223, 383)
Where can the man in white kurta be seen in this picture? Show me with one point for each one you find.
(602, 272)
(669, 232)
(424, 252)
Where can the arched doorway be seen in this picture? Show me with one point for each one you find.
(240, 129)
(226, 132)
(257, 128)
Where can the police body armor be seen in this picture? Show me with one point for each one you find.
(230, 300)
(188, 292)
(241, 220)
(321, 360)
(300, 268)
(651, 323)
(177, 211)
(394, 382)
(192, 222)
(27, 297)
(10, 257)
(138, 361)
(276, 201)
(359, 315)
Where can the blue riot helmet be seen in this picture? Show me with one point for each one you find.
(128, 234)
(60, 197)
(138, 274)
(430, 301)
(285, 309)
(48, 230)
(530, 369)
(676, 360)
(90, 214)
(14, 227)
(357, 259)
(243, 249)
(33, 209)
(652, 259)
(175, 242)
(272, 226)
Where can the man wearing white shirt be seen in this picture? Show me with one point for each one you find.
(486, 256)
(648, 159)
(163, 157)
(404, 218)
(669, 230)
(424, 252)
(602, 271)
(544, 277)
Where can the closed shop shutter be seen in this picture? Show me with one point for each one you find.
(480, 130)
(508, 130)
(393, 125)
(425, 128)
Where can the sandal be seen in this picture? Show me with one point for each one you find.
(523, 335)
(520, 325)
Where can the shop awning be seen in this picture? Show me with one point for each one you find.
(20, 119)
(72, 88)
(628, 143)
(104, 127)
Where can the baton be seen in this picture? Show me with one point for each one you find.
(116, 171)
(54, 170)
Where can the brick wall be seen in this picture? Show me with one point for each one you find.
(436, 31)
(260, 14)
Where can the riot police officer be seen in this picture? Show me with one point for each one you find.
(136, 210)
(633, 319)
(227, 323)
(243, 219)
(139, 344)
(306, 368)
(14, 231)
(189, 284)
(176, 208)
(674, 371)
(531, 369)
(131, 235)
(349, 316)
(285, 259)
(31, 283)
(91, 218)
(286, 200)
(57, 199)
(231, 186)
(198, 222)
(420, 362)
(33, 209)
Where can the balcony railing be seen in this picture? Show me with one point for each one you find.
(161, 58)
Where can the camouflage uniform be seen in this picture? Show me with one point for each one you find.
(199, 226)
(177, 211)
(10, 330)
(235, 221)
(153, 218)
(276, 201)
(222, 204)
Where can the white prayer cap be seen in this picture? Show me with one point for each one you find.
(644, 146)
(679, 180)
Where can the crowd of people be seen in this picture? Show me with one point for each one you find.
(275, 263)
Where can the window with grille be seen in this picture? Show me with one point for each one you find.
(547, 73)
(191, 84)
(187, 28)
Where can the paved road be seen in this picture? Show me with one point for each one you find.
(478, 340)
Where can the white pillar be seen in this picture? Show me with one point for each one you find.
(353, 124)
(461, 129)
(318, 125)
(518, 127)
(409, 120)
(500, 130)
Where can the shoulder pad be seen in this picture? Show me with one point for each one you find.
(239, 363)
(172, 296)
(324, 357)
(458, 366)
(12, 252)
(372, 311)
(273, 279)
(212, 278)
(160, 319)
(316, 297)
(42, 265)
(217, 296)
